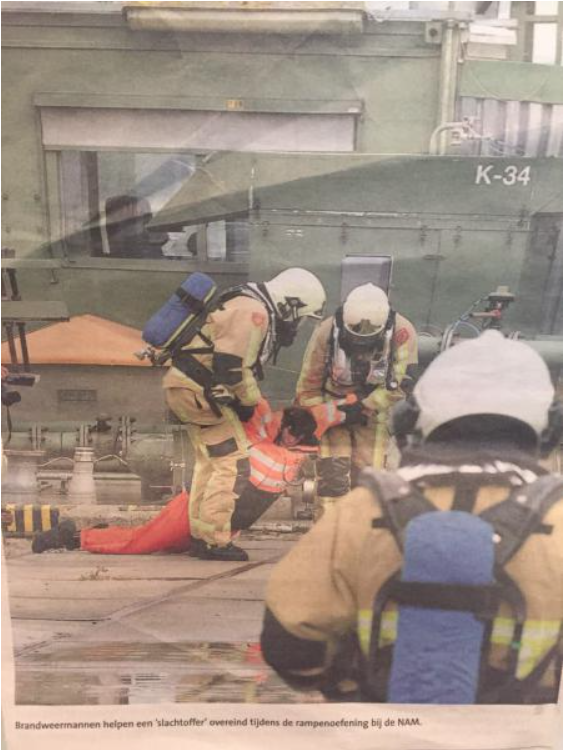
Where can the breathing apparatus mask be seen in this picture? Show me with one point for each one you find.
(286, 331)
(367, 348)
(359, 344)
(294, 294)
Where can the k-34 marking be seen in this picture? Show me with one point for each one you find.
(487, 174)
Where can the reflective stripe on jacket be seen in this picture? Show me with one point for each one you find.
(272, 465)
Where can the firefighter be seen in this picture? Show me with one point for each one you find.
(476, 423)
(212, 387)
(280, 442)
(366, 349)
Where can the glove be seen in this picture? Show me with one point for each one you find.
(243, 412)
(221, 395)
(354, 414)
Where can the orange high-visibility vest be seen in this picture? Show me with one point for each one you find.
(272, 465)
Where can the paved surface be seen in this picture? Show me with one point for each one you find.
(109, 629)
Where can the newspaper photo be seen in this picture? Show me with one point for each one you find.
(282, 375)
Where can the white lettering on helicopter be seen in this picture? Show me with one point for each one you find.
(511, 175)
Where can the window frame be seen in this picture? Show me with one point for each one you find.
(527, 18)
(201, 262)
(53, 177)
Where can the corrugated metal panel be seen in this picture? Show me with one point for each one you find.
(512, 128)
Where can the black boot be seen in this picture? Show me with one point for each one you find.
(198, 548)
(229, 553)
(63, 536)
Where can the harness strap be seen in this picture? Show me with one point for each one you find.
(513, 595)
(483, 601)
(375, 679)
(400, 502)
(522, 514)
(190, 366)
(269, 344)
(185, 360)
(466, 491)
(390, 326)
(192, 303)
(198, 350)
(522, 691)
(513, 520)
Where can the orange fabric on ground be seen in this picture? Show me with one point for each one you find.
(271, 467)
(167, 532)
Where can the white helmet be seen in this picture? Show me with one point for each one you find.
(486, 375)
(297, 293)
(365, 311)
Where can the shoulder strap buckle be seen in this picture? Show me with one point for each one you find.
(399, 500)
(521, 514)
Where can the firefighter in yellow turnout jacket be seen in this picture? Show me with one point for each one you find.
(212, 387)
(476, 421)
(367, 349)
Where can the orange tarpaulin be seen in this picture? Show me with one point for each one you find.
(83, 340)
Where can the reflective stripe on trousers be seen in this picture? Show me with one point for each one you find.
(220, 470)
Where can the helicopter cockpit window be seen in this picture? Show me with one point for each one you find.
(108, 199)
(118, 168)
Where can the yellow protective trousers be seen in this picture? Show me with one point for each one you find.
(221, 464)
(346, 451)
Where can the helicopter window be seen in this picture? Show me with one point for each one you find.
(108, 199)
(118, 167)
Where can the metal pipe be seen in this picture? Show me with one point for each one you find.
(550, 349)
(448, 79)
(348, 19)
(433, 146)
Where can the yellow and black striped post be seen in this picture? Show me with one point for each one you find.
(25, 520)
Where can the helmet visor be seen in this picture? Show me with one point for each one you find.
(353, 341)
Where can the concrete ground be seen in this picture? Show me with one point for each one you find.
(107, 629)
